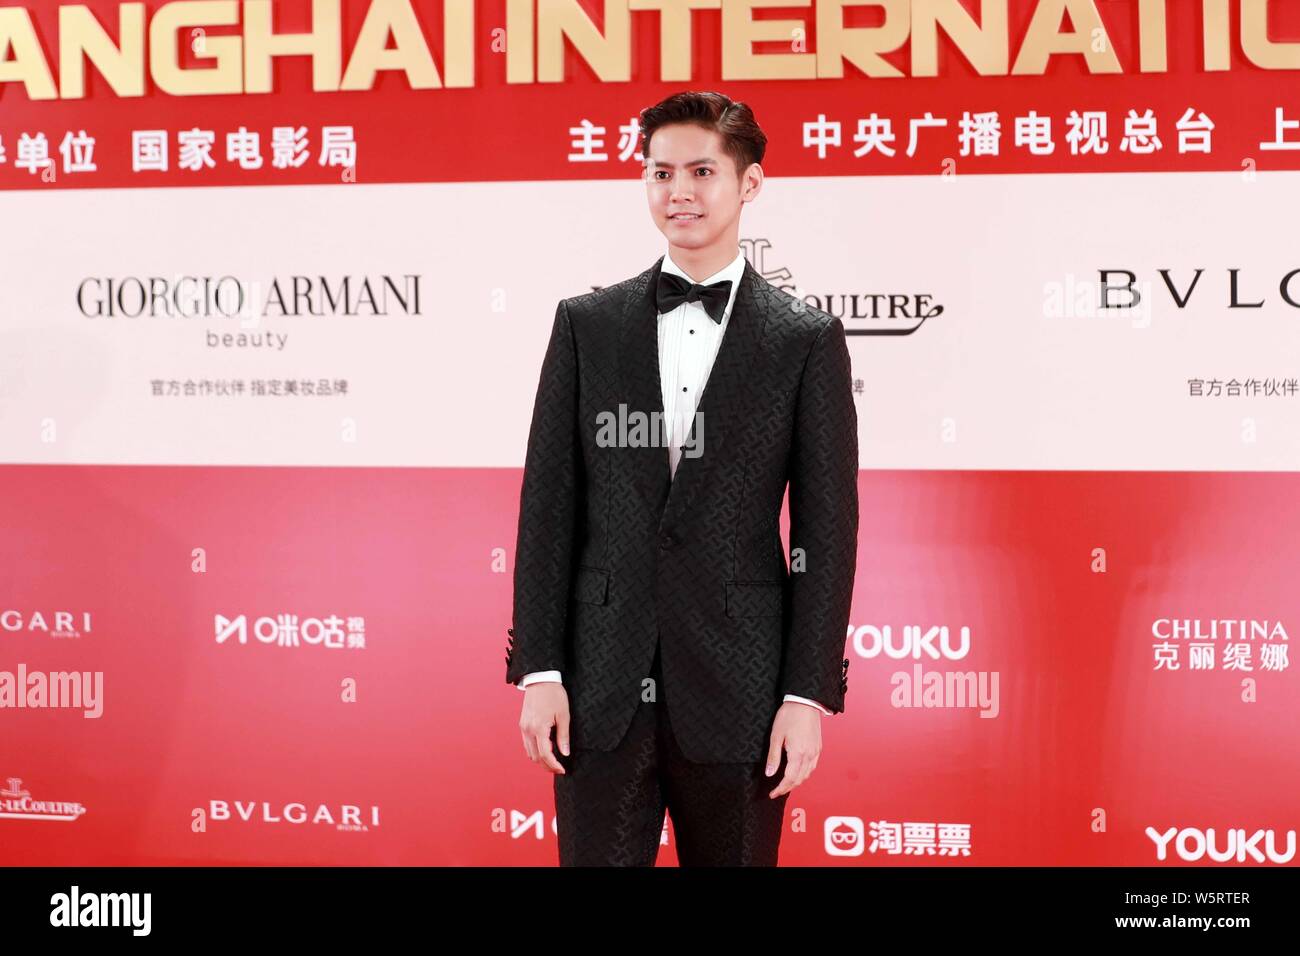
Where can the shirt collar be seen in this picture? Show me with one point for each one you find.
(733, 271)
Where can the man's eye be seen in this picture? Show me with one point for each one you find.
(703, 170)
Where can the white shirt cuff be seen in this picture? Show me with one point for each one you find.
(537, 677)
(805, 700)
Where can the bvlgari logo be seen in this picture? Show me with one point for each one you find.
(63, 623)
(350, 817)
(1121, 289)
(17, 804)
(866, 312)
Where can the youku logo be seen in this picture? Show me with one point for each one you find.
(17, 804)
(863, 313)
(1193, 844)
(922, 688)
(917, 641)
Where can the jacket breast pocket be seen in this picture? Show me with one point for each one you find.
(754, 598)
(590, 585)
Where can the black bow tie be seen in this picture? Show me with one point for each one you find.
(673, 290)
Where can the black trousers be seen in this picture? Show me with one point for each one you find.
(609, 805)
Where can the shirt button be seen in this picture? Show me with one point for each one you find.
(683, 388)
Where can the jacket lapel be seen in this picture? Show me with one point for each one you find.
(638, 363)
(721, 408)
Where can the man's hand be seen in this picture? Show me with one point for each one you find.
(546, 705)
(797, 727)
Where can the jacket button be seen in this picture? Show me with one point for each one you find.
(666, 540)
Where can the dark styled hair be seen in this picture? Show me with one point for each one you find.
(742, 138)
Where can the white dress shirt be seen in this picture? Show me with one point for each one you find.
(688, 344)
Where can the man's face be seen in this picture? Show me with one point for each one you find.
(691, 184)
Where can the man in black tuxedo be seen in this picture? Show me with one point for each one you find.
(651, 589)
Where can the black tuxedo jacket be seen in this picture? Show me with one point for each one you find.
(613, 552)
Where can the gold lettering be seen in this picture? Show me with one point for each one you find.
(675, 44)
(458, 43)
(861, 46)
(121, 65)
(411, 53)
(521, 39)
(609, 56)
(740, 31)
(537, 35)
(27, 65)
(322, 44)
(1259, 49)
(1218, 35)
(1044, 38)
(164, 60)
(1153, 37)
(985, 45)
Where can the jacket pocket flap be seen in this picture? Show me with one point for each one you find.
(590, 585)
(753, 598)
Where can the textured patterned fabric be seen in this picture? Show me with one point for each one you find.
(606, 535)
(609, 805)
